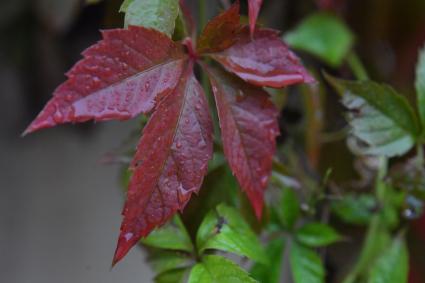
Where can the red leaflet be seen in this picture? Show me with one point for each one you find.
(220, 32)
(170, 162)
(254, 10)
(263, 61)
(188, 19)
(137, 70)
(249, 127)
(118, 78)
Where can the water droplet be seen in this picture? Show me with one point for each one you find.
(198, 106)
(69, 97)
(264, 180)
(178, 145)
(58, 117)
(147, 85)
(128, 236)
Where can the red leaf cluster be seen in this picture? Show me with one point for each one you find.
(139, 70)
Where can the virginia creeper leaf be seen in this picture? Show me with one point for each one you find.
(220, 32)
(165, 260)
(157, 14)
(354, 209)
(170, 162)
(317, 235)
(172, 276)
(271, 272)
(393, 264)
(382, 121)
(306, 265)
(248, 122)
(187, 18)
(217, 269)
(289, 209)
(323, 35)
(420, 87)
(263, 61)
(254, 9)
(225, 229)
(172, 236)
(119, 77)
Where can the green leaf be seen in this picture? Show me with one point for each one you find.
(420, 87)
(124, 5)
(289, 208)
(393, 264)
(224, 229)
(163, 260)
(157, 14)
(317, 235)
(323, 35)
(271, 272)
(217, 269)
(382, 121)
(306, 265)
(172, 276)
(355, 209)
(173, 236)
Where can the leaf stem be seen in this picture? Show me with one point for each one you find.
(420, 156)
(372, 238)
(356, 66)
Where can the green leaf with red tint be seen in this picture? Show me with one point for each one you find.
(220, 32)
(119, 78)
(254, 9)
(248, 122)
(170, 162)
(263, 61)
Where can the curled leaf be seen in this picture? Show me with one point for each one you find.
(263, 61)
(382, 121)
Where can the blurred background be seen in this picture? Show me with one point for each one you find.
(59, 204)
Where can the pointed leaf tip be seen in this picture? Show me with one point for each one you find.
(102, 85)
(263, 61)
(220, 33)
(248, 122)
(254, 10)
(170, 163)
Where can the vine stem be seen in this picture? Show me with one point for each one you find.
(420, 156)
(204, 76)
(375, 227)
(356, 66)
(368, 250)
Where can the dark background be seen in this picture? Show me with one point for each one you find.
(59, 205)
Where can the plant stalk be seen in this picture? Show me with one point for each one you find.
(372, 240)
(357, 67)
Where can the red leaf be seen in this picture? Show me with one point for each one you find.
(263, 61)
(188, 19)
(254, 10)
(118, 78)
(170, 162)
(220, 32)
(248, 122)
